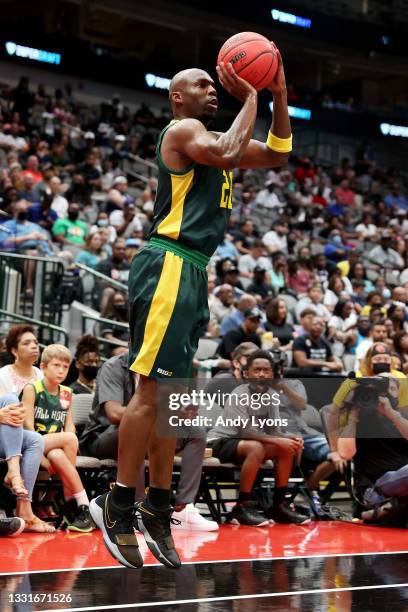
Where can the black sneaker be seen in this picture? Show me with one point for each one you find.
(11, 526)
(117, 528)
(155, 524)
(283, 514)
(246, 513)
(82, 520)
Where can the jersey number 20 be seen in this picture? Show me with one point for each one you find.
(226, 193)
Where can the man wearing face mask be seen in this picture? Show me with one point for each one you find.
(87, 362)
(21, 236)
(335, 250)
(375, 435)
(71, 232)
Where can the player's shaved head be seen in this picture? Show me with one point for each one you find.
(184, 77)
(192, 93)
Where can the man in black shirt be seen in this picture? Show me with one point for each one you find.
(259, 286)
(116, 267)
(313, 352)
(245, 333)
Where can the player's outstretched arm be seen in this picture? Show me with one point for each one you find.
(276, 150)
(191, 138)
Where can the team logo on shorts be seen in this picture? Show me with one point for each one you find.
(164, 372)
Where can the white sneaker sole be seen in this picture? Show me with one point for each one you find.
(97, 517)
(19, 530)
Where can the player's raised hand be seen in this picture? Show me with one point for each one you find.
(237, 87)
(278, 84)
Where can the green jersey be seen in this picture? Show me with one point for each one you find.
(192, 207)
(50, 411)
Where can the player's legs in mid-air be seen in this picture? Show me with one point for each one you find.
(168, 311)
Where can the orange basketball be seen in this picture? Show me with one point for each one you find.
(253, 57)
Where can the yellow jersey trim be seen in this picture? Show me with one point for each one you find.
(180, 186)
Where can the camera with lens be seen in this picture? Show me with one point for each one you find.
(368, 391)
(279, 361)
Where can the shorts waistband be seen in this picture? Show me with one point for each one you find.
(194, 257)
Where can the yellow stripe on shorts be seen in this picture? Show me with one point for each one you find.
(160, 312)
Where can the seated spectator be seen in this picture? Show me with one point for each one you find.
(22, 451)
(222, 305)
(401, 347)
(32, 169)
(236, 318)
(227, 249)
(383, 256)
(102, 224)
(342, 328)
(132, 247)
(314, 302)
(71, 232)
(276, 239)
(48, 411)
(334, 291)
(115, 267)
(267, 197)
(260, 285)
(335, 249)
(59, 202)
(250, 446)
(279, 272)
(366, 230)
(93, 252)
(374, 301)
(395, 199)
(301, 276)
(244, 237)
(117, 310)
(312, 352)
(42, 214)
(230, 276)
(305, 319)
(87, 362)
(21, 236)
(118, 197)
(114, 390)
(27, 191)
(347, 195)
(397, 314)
(358, 272)
(256, 257)
(22, 346)
(276, 322)
(245, 333)
(323, 269)
(126, 222)
(226, 380)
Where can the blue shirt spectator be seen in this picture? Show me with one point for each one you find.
(227, 249)
(396, 200)
(18, 234)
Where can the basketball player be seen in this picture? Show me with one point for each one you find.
(168, 286)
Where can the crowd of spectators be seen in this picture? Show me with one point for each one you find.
(314, 262)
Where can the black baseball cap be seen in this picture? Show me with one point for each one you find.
(253, 313)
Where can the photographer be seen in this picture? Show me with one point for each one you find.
(366, 423)
(249, 443)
